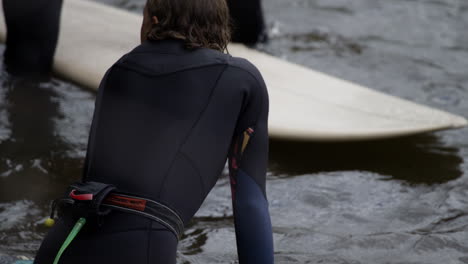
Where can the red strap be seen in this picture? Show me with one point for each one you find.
(133, 203)
(81, 197)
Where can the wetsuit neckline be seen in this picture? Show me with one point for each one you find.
(171, 46)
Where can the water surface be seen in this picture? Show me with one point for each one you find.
(389, 201)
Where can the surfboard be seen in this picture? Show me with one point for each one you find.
(304, 104)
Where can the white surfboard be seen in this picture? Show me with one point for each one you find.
(304, 104)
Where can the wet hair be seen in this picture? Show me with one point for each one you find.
(200, 23)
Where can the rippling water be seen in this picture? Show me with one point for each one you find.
(392, 201)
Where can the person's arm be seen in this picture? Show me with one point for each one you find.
(248, 164)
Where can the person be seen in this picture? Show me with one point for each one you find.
(248, 21)
(30, 53)
(168, 115)
(32, 34)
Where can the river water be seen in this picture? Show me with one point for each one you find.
(392, 201)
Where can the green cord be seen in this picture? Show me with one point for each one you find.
(76, 229)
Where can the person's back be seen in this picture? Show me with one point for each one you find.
(166, 119)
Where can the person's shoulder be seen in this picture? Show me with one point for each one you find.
(247, 68)
(156, 60)
(244, 64)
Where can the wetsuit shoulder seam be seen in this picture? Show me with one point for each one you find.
(153, 52)
(145, 71)
(259, 83)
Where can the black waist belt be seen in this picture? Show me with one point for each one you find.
(101, 198)
(147, 208)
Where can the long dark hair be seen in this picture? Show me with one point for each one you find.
(200, 23)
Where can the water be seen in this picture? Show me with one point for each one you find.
(391, 201)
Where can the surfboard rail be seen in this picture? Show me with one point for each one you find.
(304, 104)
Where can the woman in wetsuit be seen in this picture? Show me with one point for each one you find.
(168, 115)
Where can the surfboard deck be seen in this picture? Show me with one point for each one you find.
(304, 104)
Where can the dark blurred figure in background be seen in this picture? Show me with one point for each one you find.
(248, 21)
(32, 33)
(33, 27)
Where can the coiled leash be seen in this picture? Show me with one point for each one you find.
(95, 198)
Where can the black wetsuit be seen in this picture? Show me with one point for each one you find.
(248, 21)
(166, 120)
(32, 35)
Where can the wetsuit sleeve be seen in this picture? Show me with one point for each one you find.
(247, 165)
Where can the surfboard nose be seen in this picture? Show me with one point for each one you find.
(459, 122)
